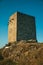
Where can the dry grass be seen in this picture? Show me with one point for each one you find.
(22, 53)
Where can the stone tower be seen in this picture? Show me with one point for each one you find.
(21, 27)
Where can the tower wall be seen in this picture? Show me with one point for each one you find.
(12, 28)
(21, 27)
(25, 27)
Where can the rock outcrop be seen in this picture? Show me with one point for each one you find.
(23, 53)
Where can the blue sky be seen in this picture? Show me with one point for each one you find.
(30, 7)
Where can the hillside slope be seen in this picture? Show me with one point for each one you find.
(22, 53)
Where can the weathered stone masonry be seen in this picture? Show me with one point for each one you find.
(21, 27)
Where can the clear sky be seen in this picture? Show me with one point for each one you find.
(30, 7)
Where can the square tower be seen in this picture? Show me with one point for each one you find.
(21, 27)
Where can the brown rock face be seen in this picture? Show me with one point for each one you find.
(21, 27)
(24, 53)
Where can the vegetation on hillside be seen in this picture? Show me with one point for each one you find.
(22, 53)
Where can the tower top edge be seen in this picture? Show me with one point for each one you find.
(16, 13)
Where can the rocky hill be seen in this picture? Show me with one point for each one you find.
(22, 53)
